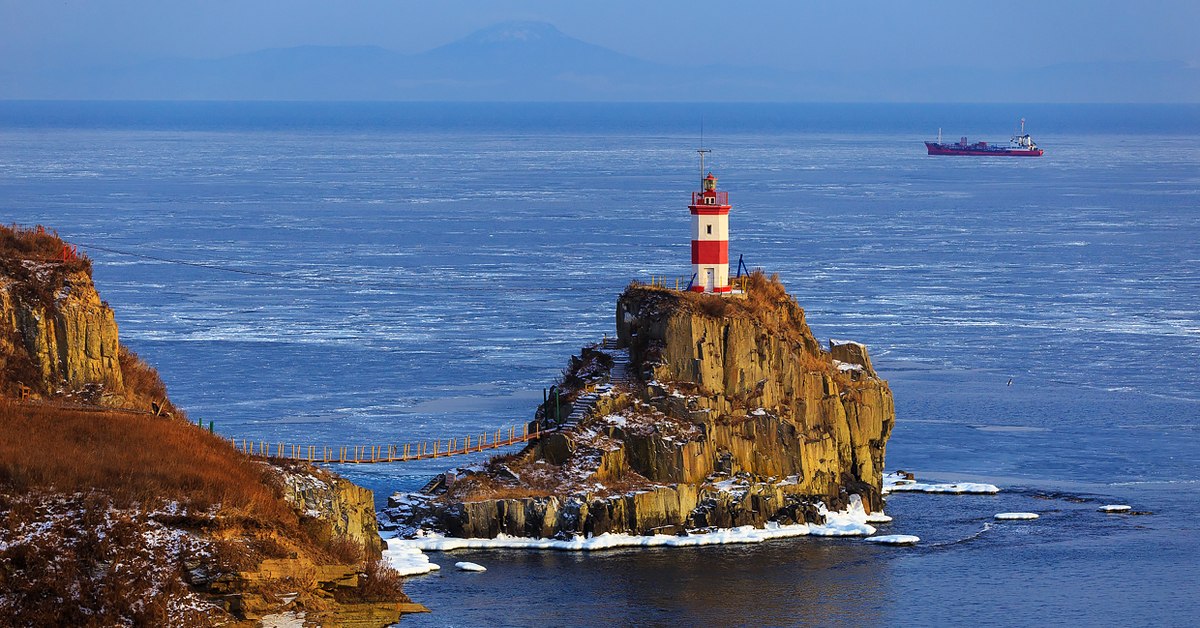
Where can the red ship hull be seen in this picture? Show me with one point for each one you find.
(981, 149)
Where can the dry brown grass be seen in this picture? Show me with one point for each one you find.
(346, 550)
(134, 458)
(381, 583)
(143, 386)
(766, 302)
(481, 487)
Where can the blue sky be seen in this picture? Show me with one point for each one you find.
(850, 35)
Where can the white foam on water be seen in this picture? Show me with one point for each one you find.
(1114, 508)
(893, 539)
(467, 566)
(1015, 516)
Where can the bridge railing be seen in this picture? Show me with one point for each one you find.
(359, 454)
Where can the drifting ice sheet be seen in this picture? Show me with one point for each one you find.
(1015, 516)
(893, 483)
(893, 539)
(1114, 508)
(466, 566)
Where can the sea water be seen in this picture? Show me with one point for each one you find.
(334, 275)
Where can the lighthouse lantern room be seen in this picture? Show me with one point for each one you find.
(710, 237)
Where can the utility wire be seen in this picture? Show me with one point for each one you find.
(344, 282)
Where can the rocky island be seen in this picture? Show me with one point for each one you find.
(704, 412)
(117, 510)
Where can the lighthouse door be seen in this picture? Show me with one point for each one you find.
(708, 280)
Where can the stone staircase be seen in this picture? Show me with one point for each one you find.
(619, 375)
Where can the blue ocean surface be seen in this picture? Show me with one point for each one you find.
(387, 274)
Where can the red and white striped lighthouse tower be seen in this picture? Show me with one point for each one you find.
(710, 236)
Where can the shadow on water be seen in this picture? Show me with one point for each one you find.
(797, 581)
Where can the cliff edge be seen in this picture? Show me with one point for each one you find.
(704, 412)
(58, 339)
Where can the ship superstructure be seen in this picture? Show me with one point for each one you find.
(1020, 145)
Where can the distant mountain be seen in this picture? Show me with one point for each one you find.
(534, 61)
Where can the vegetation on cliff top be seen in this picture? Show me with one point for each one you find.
(23, 251)
(765, 300)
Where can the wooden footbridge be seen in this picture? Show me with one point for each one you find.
(368, 454)
(364, 454)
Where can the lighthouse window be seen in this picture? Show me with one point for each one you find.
(710, 228)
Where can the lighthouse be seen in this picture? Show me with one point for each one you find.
(710, 237)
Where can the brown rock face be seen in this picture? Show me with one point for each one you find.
(71, 342)
(349, 509)
(826, 425)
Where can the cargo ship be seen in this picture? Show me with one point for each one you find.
(1020, 145)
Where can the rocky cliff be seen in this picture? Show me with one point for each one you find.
(348, 508)
(713, 412)
(58, 339)
(326, 588)
(70, 340)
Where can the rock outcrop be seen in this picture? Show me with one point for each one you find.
(336, 513)
(71, 340)
(348, 508)
(816, 420)
(732, 414)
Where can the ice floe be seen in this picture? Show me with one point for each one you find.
(895, 483)
(893, 539)
(1015, 516)
(466, 566)
(407, 559)
(1115, 508)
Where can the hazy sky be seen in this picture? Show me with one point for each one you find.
(841, 35)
